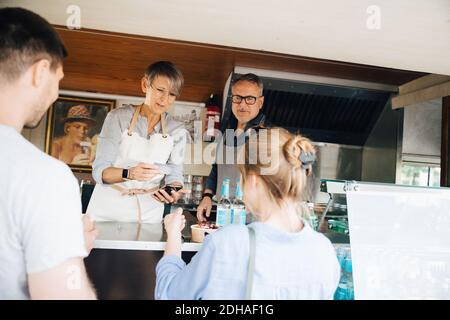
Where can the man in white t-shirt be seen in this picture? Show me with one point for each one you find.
(41, 229)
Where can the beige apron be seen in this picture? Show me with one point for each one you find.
(131, 201)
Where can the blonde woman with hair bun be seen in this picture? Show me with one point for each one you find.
(291, 260)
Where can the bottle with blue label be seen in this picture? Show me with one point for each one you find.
(224, 205)
(239, 214)
(345, 290)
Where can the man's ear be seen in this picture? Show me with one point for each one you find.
(40, 71)
(262, 102)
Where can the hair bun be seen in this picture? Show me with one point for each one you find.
(292, 150)
(299, 152)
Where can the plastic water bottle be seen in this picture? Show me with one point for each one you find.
(341, 291)
(345, 289)
(239, 214)
(348, 271)
(224, 205)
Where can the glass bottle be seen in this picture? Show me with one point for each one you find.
(239, 214)
(313, 219)
(224, 205)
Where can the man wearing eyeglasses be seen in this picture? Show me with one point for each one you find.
(247, 101)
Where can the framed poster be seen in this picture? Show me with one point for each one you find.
(192, 116)
(73, 126)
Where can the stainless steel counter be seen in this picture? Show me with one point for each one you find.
(145, 236)
(122, 264)
(152, 237)
(123, 261)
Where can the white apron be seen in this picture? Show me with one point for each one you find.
(131, 201)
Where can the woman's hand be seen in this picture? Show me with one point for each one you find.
(163, 196)
(174, 223)
(143, 172)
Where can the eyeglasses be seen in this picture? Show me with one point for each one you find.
(249, 100)
(162, 93)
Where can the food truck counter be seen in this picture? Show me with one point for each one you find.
(123, 261)
(152, 237)
(135, 236)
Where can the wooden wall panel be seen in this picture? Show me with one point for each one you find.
(109, 62)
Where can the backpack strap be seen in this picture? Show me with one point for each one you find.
(251, 263)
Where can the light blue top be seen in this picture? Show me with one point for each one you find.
(116, 122)
(300, 265)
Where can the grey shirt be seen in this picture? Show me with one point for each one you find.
(40, 214)
(116, 122)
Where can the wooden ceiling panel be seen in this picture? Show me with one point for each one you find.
(107, 62)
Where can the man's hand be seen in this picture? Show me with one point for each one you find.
(204, 209)
(90, 232)
(143, 172)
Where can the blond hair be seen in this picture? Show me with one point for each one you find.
(288, 178)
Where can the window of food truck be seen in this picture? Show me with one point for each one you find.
(398, 240)
(427, 175)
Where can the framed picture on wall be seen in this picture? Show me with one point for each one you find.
(73, 126)
(192, 116)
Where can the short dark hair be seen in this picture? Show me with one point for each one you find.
(169, 70)
(250, 77)
(26, 37)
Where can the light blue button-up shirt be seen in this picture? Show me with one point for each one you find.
(300, 265)
(116, 122)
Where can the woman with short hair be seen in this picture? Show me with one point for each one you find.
(139, 147)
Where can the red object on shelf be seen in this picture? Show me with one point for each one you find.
(212, 119)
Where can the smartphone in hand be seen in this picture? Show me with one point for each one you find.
(169, 188)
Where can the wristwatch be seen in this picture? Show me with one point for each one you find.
(208, 194)
(125, 173)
